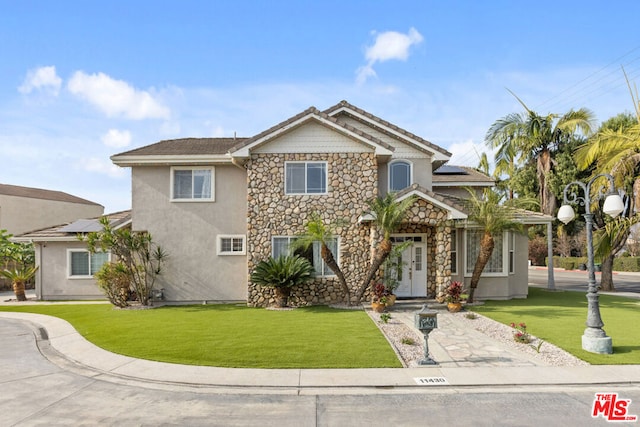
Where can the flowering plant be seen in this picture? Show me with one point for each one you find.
(520, 333)
(453, 292)
(380, 293)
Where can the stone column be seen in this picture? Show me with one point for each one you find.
(442, 258)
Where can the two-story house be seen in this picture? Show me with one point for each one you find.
(219, 206)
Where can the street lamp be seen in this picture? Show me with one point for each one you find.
(594, 338)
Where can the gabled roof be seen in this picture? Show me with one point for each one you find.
(452, 205)
(38, 193)
(460, 176)
(439, 154)
(311, 114)
(186, 150)
(66, 233)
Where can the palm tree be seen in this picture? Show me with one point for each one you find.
(283, 273)
(318, 231)
(492, 218)
(19, 276)
(535, 137)
(615, 149)
(388, 214)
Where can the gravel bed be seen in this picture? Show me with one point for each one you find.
(396, 330)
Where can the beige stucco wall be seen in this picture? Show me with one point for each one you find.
(21, 214)
(52, 282)
(421, 170)
(511, 285)
(188, 232)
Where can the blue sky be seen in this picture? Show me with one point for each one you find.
(83, 80)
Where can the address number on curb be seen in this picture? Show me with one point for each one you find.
(431, 381)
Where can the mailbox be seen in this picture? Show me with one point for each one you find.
(426, 321)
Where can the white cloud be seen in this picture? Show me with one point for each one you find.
(116, 97)
(387, 46)
(105, 167)
(468, 153)
(43, 78)
(117, 138)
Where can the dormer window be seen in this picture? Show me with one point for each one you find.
(399, 175)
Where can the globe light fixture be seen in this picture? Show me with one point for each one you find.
(594, 338)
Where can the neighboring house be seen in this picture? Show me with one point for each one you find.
(66, 266)
(24, 209)
(221, 205)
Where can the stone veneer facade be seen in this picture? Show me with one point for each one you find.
(352, 181)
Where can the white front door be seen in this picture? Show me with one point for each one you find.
(413, 274)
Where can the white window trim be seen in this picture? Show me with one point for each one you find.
(232, 236)
(389, 172)
(306, 162)
(511, 261)
(336, 255)
(90, 276)
(192, 168)
(454, 240)
(505, 257)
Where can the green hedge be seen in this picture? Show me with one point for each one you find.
(573, 263)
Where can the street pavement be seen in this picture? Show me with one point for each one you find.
(51, 375)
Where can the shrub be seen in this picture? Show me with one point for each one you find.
(283, 273)
(114, 282)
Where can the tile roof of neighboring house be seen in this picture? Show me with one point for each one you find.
(38, 193)
(307, 112)
(469, 175)
(385, 123)
(54, 233)
(185, 146)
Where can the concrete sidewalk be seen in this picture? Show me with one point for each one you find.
(465, 358)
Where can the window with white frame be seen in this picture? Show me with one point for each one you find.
(305, 177)
(281, 245)
(231, 245)
(496, 262)
(192, 184)
(512, 248)
(84, 264)
(399, 175)
(454, 252)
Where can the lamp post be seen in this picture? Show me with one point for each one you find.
(594, 338)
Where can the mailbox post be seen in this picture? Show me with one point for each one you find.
(426, 321)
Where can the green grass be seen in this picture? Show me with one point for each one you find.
(231, 335)
(559, 318)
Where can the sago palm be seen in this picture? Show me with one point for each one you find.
(283, 273)
(19, 276)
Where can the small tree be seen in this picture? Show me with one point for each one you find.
(388, 215)
(18, 260)
(138, 255)
(492, 218)
(282, 273)
(318, 231)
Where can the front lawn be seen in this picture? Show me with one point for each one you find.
(231, 335)
(559, 318)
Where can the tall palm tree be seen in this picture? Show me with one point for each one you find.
(535, 137)
(388, 214)
(492, 218)
(318, 231)
(615, 149)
